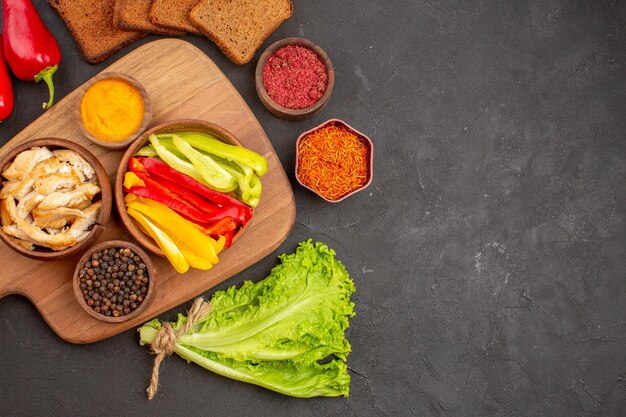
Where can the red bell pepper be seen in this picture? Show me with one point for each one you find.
(188, 204)
(30, 49)
(161, 169)
(172, 190)
(6, 89)
(225, 227)
(228, 235)
(240, 213)
(179, 206)
(197, 201)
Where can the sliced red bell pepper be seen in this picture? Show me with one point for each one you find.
(225, 227)
(228, 235)
(172, 189)
(188, 188)
(222, 226)
(161, 169)
(180, 206)
(196, 200)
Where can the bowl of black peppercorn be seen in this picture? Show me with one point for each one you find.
(113, 281)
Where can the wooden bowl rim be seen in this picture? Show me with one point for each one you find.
(172, 126)
(275, 108)
(357, 133)
(145, 121)
(105, 197)
(152, 272)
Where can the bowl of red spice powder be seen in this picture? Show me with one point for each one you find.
(334, 160)
(294, 78)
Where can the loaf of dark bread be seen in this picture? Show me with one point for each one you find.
(174, 14)
(239, 27)
(91, 25)
(135, 15)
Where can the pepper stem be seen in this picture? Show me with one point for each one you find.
(46, 75)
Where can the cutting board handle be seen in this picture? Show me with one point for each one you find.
(5, 289)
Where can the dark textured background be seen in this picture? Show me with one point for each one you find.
(488, 253)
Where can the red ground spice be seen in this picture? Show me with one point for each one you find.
(295, 77)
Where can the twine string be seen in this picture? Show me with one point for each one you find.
(165, 340)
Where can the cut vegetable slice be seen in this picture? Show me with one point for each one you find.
(174, 161)
(238, 154)
(131, 180)
(177, 227)
(167, 245)
(213, 174)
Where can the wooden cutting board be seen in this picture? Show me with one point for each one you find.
(183, 83)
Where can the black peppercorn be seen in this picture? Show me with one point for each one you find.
(114, 282)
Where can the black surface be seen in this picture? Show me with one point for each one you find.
(488, 253)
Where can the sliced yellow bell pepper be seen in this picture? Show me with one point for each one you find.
(131, 180)
(220, 243)
(193, 259)
(178, 228)
(167, 245)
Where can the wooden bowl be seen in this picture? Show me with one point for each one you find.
(105, 194)
(145, 258)
(147, 113)
(283, 112)
(368, 142)
(187, 125)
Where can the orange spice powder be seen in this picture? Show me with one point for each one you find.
(112, 109)
(333, 161)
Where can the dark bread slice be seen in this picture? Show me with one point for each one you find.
(174, 14)
(239, 27)
(91, 25)
(135, 15)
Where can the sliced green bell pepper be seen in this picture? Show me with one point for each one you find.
(242, 174)
(214, 175)
(237, 154)
(174, 161)
(147, 150)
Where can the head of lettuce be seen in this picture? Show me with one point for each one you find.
(284, 333)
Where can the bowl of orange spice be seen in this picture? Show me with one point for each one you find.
(334, 160)
(114, 110)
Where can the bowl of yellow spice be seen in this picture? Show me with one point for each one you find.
(114, 110)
